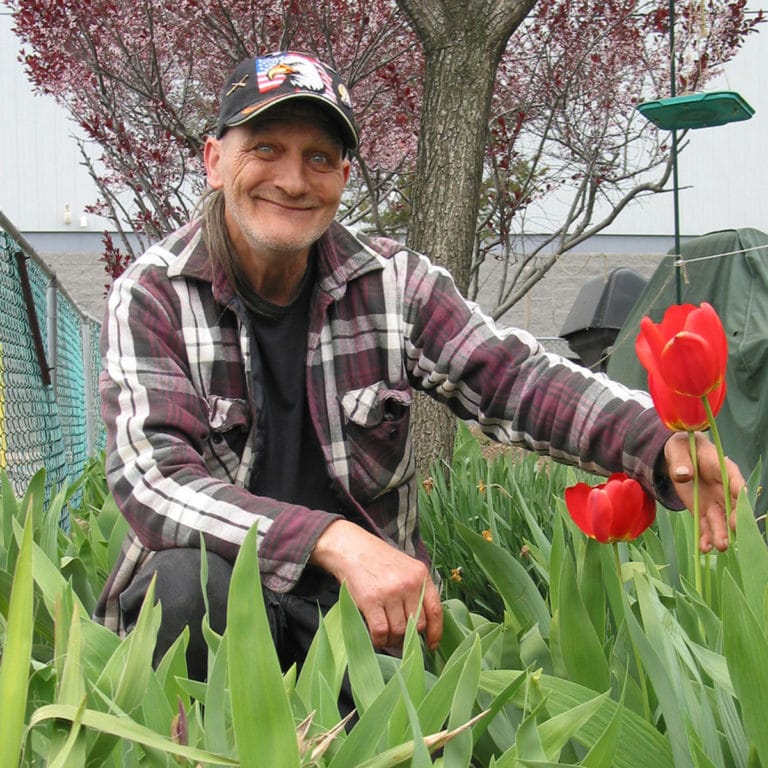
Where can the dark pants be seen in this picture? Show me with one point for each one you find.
(293, 617)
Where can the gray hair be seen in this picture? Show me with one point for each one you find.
(222, 255)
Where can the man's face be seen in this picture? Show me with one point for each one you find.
(282, 181)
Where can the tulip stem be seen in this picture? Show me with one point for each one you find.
(696, 513)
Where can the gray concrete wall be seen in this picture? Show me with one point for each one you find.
(544, 310)
(83, 277)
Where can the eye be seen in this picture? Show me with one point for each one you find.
(263, 149)
(321, 161)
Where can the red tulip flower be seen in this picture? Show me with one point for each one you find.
(687, 351)
(617, 510)
(683, 413)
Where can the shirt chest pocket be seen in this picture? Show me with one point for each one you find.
(229, 423)
(377, 421)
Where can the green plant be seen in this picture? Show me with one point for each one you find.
(81, 696)
(681, 680)
(586, 666)
(509, 498)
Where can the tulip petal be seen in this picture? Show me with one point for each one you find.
(680, 413)
(705, 322)
(604, 514)
(644, 518)
(674, 319)
(576, 500)
(649, 344)
(617, 510)
(690, 365)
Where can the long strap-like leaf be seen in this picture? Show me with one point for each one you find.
(17, 654)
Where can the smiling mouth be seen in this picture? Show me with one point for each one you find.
(287, 206)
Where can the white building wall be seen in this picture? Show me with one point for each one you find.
(40, 166)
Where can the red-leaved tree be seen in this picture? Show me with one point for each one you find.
(492, 129)
(567, 149)
(141, 81)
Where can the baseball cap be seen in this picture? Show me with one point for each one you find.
(259, 83)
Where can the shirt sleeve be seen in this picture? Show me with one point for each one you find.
(519, 394)
(158, 432)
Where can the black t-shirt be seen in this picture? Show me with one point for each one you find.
(293, 467)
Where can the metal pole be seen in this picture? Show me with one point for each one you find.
(90, 426)
(675, 182)
(52, 325)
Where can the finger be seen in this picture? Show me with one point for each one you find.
(432, 610)
(397, 620)
(378, 625)
(736, 483)
(678, 457)
(718, 528)
(705, 535)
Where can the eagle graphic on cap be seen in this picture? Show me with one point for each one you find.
(303, 74)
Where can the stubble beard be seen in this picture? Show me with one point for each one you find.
(278, 243)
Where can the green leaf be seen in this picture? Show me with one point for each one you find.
(17, 653)
(364, 671)
(746, 653)
(411, 674)
(521, 596)
(558, 553)
(559, 729)
(581, 649)
(603, 752)
(458, 751)
(10, 511)
(591, 586)
(420, 758)
(638, 737)
(436, 705)
(73, 749)
(261, 713)
(528, 742)
(752, 554)
(72, 685)
(121, 727)
(654, 649)
(733, 728)
(217, 701)
(125, 677)
(365, 739)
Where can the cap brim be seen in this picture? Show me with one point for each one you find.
(347, 129)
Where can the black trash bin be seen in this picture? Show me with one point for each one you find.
(597, 314)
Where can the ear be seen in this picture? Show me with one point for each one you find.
(212, 155)
(345, 170)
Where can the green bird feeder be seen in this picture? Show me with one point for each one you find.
(696, 110)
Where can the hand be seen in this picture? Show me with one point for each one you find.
(713, 528)
(385, 583)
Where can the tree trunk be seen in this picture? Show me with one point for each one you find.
(463, 42)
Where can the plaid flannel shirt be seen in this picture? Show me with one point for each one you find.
(179, 412)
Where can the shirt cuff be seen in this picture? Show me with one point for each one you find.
(288, 543)
(644, 459)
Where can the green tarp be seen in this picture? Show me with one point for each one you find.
(728, 269)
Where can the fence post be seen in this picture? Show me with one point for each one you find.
(90, 421)
(52, 328)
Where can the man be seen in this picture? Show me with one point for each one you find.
(258, 370)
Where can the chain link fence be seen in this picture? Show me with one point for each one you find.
(49, 366)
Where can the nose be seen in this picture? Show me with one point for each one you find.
(291, 175)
